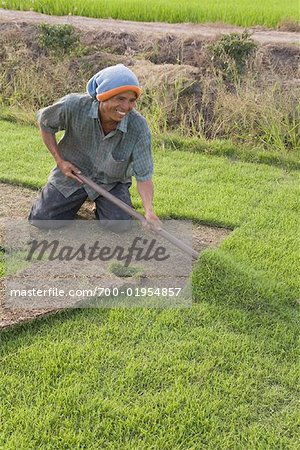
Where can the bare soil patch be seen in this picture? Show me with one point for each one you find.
(16, 202)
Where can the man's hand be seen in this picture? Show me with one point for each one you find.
(153, 222)
(145, 189)
(69, 170)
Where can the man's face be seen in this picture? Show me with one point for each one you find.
(116, 108)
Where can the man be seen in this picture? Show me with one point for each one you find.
(105, 139)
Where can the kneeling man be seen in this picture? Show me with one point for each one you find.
(106, 140)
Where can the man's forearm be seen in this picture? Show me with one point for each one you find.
(145, 189)
(51, 144)
(66, 167)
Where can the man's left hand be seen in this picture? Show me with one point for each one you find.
(153, 222)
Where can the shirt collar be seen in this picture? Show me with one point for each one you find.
(122, 126)
(93, 113)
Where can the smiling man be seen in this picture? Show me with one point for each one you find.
(105, 139)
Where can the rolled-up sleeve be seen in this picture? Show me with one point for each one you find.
(142, 161)
(53, 118)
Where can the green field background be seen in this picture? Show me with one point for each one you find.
(242, 12)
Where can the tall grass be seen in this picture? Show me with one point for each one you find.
(243, 12)
(268, 116)
(259, 108)
(265, 115)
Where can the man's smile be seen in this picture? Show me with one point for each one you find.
(121, 113)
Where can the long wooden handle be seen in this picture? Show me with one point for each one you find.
(163, 233)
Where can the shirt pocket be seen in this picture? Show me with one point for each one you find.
(115, 169)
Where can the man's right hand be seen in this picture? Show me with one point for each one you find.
(69, 170)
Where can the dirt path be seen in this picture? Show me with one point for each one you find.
(16, 202)
(207, 31)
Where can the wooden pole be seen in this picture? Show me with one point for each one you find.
(163, 233)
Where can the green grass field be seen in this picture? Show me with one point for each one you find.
(243, 12)
(223, 374)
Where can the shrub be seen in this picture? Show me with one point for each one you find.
(58, 38)
(231, 52)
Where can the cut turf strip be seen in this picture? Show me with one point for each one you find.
(203, 237)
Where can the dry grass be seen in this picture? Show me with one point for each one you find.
(266, 115)
(258, 108)
(289, 25)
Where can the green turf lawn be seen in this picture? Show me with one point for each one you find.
(223, 374)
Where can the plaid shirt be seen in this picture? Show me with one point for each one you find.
(108, 159)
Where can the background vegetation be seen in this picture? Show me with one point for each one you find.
(234, 91)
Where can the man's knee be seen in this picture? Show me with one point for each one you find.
(52, 210)
(40, 218)
(46, 223)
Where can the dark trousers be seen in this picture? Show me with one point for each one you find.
(52, 210)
